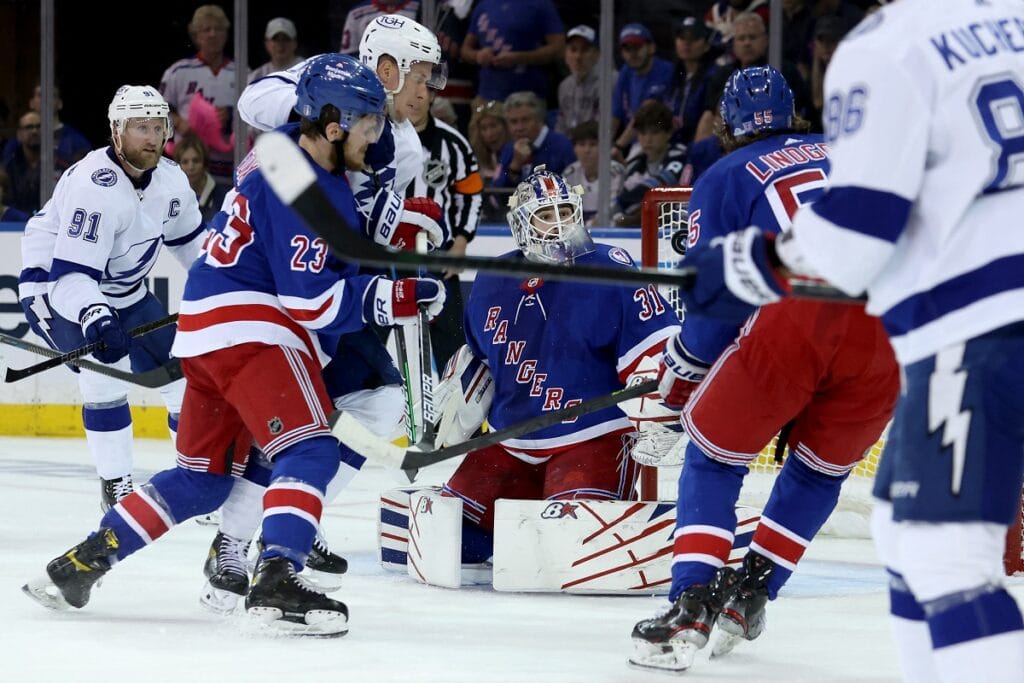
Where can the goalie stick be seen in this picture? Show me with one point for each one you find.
(359, 439)
(294, 181)
(153, 379)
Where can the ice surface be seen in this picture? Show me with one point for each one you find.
(145, 622)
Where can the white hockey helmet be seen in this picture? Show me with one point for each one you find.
(138, 102)
(558, 235)
(407, 42)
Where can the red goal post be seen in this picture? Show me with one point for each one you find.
(663, 241)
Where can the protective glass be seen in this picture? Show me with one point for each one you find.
(438, 78)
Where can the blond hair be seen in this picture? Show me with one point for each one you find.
(208, 12)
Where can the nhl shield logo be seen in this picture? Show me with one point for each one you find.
(276, 426)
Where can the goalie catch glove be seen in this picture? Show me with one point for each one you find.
(398, 302)
(679, 373)
(658, 428)
(394, 222)
(464, 395)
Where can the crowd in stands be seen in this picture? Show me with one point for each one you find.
(523, 88)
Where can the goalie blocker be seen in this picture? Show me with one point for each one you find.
(572, 546)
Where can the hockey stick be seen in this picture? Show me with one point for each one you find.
(426, 441)
(359, 439)
(56, 358)
(153, 379)
(294, 182)
(402, 351)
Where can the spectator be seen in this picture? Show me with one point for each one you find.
(802, 18)
(488, 134)
(694, 69)
(191, 154)
(24, 164)
(584, 171)
(280, 40)
(532, 143)
(210, 74)
(827, 34)
(658, 163)
(365, 11)
(69, 145)
(442, 110)
(643, 77)
(579, 93)
(451, 29)
(749, 48)
(512, 42)
(8, 214)
(721, 18)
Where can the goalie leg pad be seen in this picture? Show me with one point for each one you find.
(393, 527)
(435, 539)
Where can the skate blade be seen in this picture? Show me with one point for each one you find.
(724, 643)
(218, 601)
(319, 623)
(674, 658)
(43, 591)
(322, 582)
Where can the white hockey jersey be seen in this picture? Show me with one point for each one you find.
(925, 116)
(101, 224)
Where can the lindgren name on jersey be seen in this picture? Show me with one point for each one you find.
(766, 165)
(979, 39)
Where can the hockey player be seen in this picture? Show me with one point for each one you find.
(85, 258)
(261, 307)
(924, 104)
(822, 373)
(545, 346)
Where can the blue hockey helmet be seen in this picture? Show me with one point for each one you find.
(546, 218)
(343, 82)
(756, 99)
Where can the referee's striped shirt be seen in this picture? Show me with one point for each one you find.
(451, 177)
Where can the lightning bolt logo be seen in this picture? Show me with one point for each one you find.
(42, 312)
(945, 398)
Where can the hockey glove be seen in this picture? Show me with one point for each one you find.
(464, 397)
(735, 276)
(100, 324)
(421, 214)
(398, 302)
(679, 374)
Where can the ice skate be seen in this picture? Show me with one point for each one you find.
(209, 519)
(323, 568)
(743, 614)
(226, 574)
(70, 577)
(670, 640)
(279, 599)
(113, 490)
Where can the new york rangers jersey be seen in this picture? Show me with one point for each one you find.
(926, 219)
(101, 223)
(264, 277)
(551, 345)
(762, 184)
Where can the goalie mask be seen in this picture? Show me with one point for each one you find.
(546, 218)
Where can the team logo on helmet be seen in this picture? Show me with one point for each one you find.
(391, 21)
(104, 177)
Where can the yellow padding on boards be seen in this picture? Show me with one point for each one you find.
(149, 422)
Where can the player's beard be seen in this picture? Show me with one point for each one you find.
(352, 157)
(142, 158)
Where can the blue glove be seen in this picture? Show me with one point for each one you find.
(734, 277)
(381, 154)
(100, 324)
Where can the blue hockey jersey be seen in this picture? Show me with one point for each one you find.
(761, 184)
(551, 345)
(264, 277)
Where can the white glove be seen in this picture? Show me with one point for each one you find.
(464, 396)
(660, 444)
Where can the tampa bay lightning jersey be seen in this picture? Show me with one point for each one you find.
(102, 223)
(925, 116)
(762, 184)
(553, 344)
(265, 277)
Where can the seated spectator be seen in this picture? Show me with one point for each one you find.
(23, 166)
(579, 94)
(191, 154)
(8, 214)
(801, 21)
(488, 133)
(69, 145)
(721, 19)
(827, 34)
(365, 11)
(658, 163)
(532, 143)
(695, 67)
(643, 77)
(512, 42)
(281, 41)
(584, 171)
(441, 108)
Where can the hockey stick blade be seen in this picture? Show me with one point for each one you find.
(57, 359)
(152, 379)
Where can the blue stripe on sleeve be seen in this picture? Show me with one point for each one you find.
(62, 267)
(870, 212)
(178, 241)
(993, 278)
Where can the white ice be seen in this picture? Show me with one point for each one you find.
(145, 622)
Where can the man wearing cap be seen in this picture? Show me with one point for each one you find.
(579, 94)
(694, 69)
(280, 40)
(643, 77)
